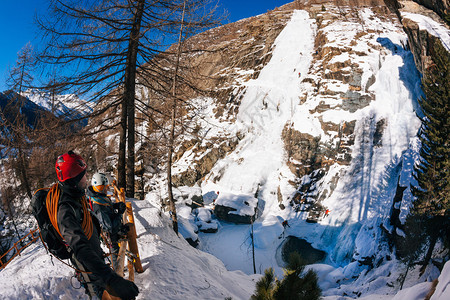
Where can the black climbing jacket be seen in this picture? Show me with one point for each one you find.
(87, 251)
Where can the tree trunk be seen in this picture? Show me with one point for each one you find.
(130, 94)
(427, 258)
(172, 130)
(11, 214)
(23, 172)
(169, 175)
(253, 248)
(404, 277)
(121, 172)
(22, 141)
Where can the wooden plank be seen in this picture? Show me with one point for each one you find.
(128, 218)
(131, 269)
(132, 243)
(108, 296)
(121, 258)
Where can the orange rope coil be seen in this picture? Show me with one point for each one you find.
(52, 209)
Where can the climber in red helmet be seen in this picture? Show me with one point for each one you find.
(80, 231)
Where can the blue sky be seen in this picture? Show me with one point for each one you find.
(17, 28)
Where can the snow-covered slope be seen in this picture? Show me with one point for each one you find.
(172, 269)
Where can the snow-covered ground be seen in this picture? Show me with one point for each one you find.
(175, 270)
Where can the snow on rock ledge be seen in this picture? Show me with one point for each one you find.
(235, 208)
(443, 287)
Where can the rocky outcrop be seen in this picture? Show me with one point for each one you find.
(441, 7)
(224, 213)
(421, 41)
(306, 153)
(234, 53)
(208, 155)
(204, 220)
(240, 209)
(302, 4)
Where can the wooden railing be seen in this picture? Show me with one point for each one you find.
(134, 262)
(34, 234)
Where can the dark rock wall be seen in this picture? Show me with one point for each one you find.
(441, 7)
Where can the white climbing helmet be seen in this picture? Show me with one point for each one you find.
(100, 181)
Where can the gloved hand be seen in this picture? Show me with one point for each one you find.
(119, 207)
(122, 288)
(124, 229)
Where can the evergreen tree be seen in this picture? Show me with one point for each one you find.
(265, 286)
(294, 286)
(431, 208)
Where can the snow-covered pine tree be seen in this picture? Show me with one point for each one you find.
(296, 284)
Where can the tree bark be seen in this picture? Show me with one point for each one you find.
(172, 130)
(433, 240)
(121, 171)
(130, 94)
(23, 172)
(22, 141)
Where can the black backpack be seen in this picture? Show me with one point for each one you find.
(49, 236)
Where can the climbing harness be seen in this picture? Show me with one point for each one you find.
(83, 278)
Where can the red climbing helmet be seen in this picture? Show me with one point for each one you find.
(69, 165)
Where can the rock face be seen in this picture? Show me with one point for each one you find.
(441, 7)
(349, 43)
(217, 150)
(236, 208)
(342, 73)
(421, 41)
(225, 213)
(237, 52)
(307, 153)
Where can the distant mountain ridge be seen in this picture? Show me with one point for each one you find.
(11, 108)
(33, 106)
(67, 106)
